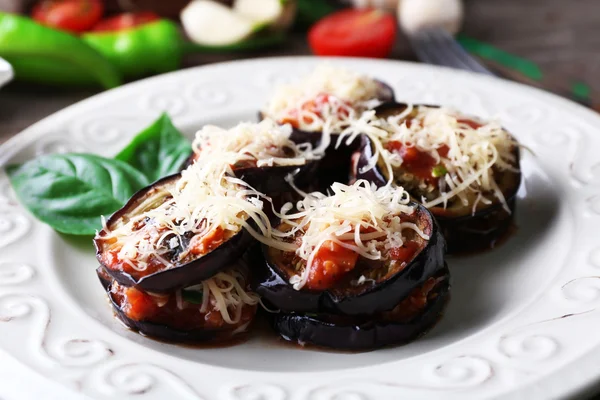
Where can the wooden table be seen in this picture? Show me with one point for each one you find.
(563, 37)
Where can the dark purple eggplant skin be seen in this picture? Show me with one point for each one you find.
(182, 275)
(160, 331)
(273, 286)
(361, 333)
(333, 167)
(463, 233)
(271, 180)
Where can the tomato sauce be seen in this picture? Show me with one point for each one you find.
(140, 306)
(329, 265)
(416, 162)
(315, 106)
(198, 246)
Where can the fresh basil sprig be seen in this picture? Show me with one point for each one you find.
(70, 192)
(158, 150)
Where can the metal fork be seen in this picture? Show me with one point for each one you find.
(437, 46)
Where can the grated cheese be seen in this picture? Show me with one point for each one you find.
(343, 95)
(266, 144)
(358, 217)
(206, 197)
(473, 153)
(225, 292)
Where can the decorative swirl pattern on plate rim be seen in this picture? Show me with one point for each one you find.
(13, 226)
(467, 373)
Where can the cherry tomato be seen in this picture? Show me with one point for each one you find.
(69, 15)
(354, 32)
(125, 21)
(331, 263)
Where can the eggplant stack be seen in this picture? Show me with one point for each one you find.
(319, 107)
(358, 269)
(170, 258)
(464, 170)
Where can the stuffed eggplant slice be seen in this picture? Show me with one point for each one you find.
(262, 154)
(320, 106)
(181, 230)
(216, 309)
(464, 170)
(409, 319)
(358, 251)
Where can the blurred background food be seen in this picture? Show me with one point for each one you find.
(66, 50)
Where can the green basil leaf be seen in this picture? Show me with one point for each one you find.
(192, 296)
(70, 192)
(158, 151)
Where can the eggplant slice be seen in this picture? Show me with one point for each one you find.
(184, 273)
(272, 180)
(271, 280)
(463, 230)
(167, 333)
(333, 167)
(369, 332)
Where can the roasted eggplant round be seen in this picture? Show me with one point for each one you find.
(271, 180)
(173, 317)
(409, 319)
(464, 228)
(383, 283)
(157, 277)
(333, 167)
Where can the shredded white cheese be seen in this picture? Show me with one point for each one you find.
(266, 144)
(225, 292)
(473, 153)
(358, 217)
(206, 198)
(325, 100)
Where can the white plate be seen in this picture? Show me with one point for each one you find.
(522, 323)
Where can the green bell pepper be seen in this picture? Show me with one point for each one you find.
(151, 48)
(44, 55)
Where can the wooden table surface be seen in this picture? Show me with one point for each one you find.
(563, 37)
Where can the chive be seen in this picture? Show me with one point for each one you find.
(192, 296)
(439, 171)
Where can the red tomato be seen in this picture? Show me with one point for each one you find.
(330, 264)
(405, 252)
(416, 162)
(354, 32)
(139, 305)
(125, 21)
(69, 15)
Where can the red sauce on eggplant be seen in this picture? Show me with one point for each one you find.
(140, 306)
(330, 264)
(198, 246)
(420, 163)
(416, 162)
(315, 106)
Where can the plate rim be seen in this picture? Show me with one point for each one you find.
(14, 144)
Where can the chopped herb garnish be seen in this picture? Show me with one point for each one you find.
(192, 296)
(439, 171)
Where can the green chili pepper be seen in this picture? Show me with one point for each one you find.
(151, 48)
(45, 55)
(439, 171)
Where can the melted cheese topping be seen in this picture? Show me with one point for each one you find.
(266, 143)
(473, 153)
(205, 198)
(327, 99)
(357, 217)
